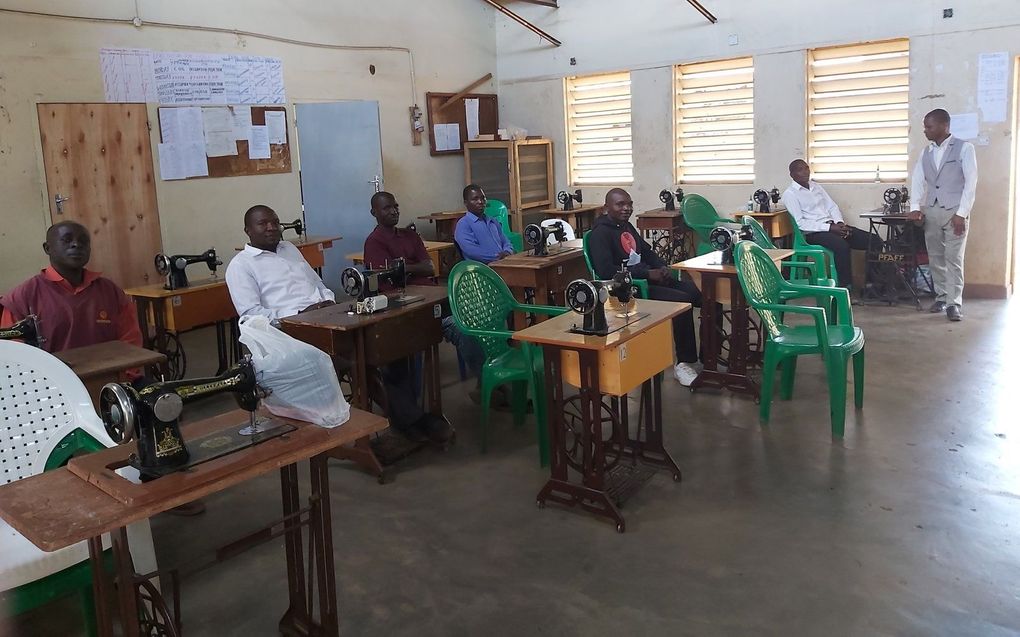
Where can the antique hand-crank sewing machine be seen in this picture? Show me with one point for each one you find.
(537, 236)
(173, 267)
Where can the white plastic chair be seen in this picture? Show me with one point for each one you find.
(567, 230)
(42, 402)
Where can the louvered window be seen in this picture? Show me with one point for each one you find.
(598, 129)
(715, 121)
(858, 121)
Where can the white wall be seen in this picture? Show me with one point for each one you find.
(53, 60)
(650, 36)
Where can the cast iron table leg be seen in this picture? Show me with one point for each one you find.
(101, 587)
(735, 378)
(295, 620)
(125, 571)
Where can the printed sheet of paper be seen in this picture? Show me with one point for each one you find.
(127, 75)
(276, 124)
(242, 121)
(471, 116)
(179, 125)
(964, 125)
(182, 160)
(993, 79)
(220, 144)
(447, 136)
(258, 143)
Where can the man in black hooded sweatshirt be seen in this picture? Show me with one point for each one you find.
(612, 241)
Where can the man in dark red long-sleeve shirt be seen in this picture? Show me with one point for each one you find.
(75, 306)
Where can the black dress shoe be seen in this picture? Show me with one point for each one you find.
(953, 313)
(937, 307)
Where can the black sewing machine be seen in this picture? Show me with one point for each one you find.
(151, 417)
(669, 199)
(25, 330)
(297, 226)
(568, 199)
(173, 267)
(588, 298)
(897, 200)
(537, 236)
(723, 239)
(766, 200)
(363, 287)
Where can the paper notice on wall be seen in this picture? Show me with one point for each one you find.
(964, 125)
(993, 78)
(242, 121)
(220, 143)
(127, 75)
(446, 136)
(258, 143)
(276, 125)
(182, 160)
(179, 125)
(217, 119)
(471, 117)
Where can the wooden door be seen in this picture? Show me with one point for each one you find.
(98, 157)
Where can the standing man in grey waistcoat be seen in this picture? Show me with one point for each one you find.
(941, 196)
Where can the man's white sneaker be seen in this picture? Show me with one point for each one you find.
(685, 373)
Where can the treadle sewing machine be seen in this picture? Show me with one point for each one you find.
(363, 287)
(537, 236)
(25, 330)
(724, 237)
(766, 201)
(568, 198)
(896, 201)
(297, 226)
(598, 455)
(670, 199)
(589, 299)
(173, 267)
(151, 417)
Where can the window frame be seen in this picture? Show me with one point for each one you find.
(572, 170)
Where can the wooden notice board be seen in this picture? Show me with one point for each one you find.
(488, 117)
(239, 165)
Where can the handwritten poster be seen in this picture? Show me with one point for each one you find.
(993, 78)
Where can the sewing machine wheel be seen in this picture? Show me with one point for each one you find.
(154, 618)
(533, 234)
(162, 263)
(352, 282)
(562, 197)
(761, 197)
(583, 296)
(607, 422)
(891, 196)
(176, 360)
(665, 196)
(118, 412)
(721, 238)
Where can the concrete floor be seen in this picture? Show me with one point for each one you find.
(908, 526)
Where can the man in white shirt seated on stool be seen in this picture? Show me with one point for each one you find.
(819, 218)
(271, 278)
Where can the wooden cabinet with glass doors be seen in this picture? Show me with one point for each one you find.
(518, 173)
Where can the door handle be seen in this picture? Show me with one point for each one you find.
(59, 201)
(377, 181)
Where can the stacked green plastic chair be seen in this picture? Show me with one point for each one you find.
(481, 302)
(823, 257)
(700, 216)
(767, 292)
(498, 210)
(804, 266)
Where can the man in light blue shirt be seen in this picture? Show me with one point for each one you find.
(480, 238)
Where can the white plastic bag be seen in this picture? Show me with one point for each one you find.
(302, 379)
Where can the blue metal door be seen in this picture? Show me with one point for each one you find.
(340, 154)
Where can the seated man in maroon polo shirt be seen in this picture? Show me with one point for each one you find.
(75, 306)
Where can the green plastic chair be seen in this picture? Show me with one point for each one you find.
(700, 216)
(808, 266)
(480, 303)
(823, 257)
(767, 293)
(498, 210)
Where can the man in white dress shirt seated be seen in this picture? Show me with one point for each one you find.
(942, 191)
(819, 218)
(271, 278)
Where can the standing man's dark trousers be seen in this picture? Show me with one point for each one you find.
(683, 324)
(858, 240)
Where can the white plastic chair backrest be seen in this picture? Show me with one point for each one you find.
(567, 230)
(41, 401)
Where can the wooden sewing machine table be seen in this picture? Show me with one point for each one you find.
(548, 276)
(613, 365)
(58, 508)
(372, 340)
(446, 222)
(97, 365)
(580, 218)
(667, 233)
(777, 223)
(442, 253)
(719, 285)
